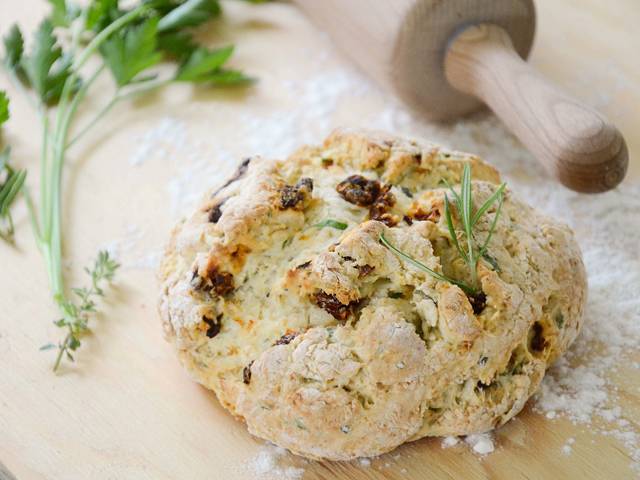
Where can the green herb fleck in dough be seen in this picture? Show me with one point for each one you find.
(331, 223)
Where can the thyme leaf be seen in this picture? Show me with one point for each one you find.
(76, 314)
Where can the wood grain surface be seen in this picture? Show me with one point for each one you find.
(126, 410)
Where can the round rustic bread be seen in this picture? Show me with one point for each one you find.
(279, 296)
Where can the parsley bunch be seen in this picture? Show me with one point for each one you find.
(56, 75)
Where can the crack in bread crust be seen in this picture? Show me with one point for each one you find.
(328, 344)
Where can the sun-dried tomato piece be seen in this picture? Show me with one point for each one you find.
(364, 270)
(381, 206)
(332, 305)
(432, 215)
(358, 190)
(222, 282)
(291, 196)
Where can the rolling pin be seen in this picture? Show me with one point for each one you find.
(446, 58)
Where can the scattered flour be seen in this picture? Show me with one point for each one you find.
(567, 448)
(365, 462)
(580, 386)
(448, 442)
(481, 443)
(270, 463)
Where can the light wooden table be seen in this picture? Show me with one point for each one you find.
(126, 410)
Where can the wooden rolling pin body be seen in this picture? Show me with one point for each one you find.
(447, 58)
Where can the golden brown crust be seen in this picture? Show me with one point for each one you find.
(327, 343)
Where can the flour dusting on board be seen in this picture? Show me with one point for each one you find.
(580, 387)
(270, 463)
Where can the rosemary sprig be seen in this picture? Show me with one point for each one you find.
(77, 314)
(438, 276)
(469, 218)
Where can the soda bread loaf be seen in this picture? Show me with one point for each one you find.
(279, 296)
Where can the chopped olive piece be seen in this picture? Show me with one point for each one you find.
(358, 190)
(332, 305)
(246, 373)
(216, 212)
(407, 220)
(196, 280)
(478, 301)
(538, 342)
(304, 265)
(286, 339)
(407, 192)
(214, 325)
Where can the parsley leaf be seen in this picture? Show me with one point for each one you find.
(4, 107)
(203, 62)
(227, 78)
(62, 14)
(100, 13)
(13, 47)
(46, 68)
(177, 45)
(189, 14)
(129, 52)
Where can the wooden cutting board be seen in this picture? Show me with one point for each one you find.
(126, 410)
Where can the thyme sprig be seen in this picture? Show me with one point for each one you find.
(77, 314)
(469, 218)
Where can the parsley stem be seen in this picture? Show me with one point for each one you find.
(100, 38)
(118, 97)
(44, 170)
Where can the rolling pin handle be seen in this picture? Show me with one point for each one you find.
(574, 142)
